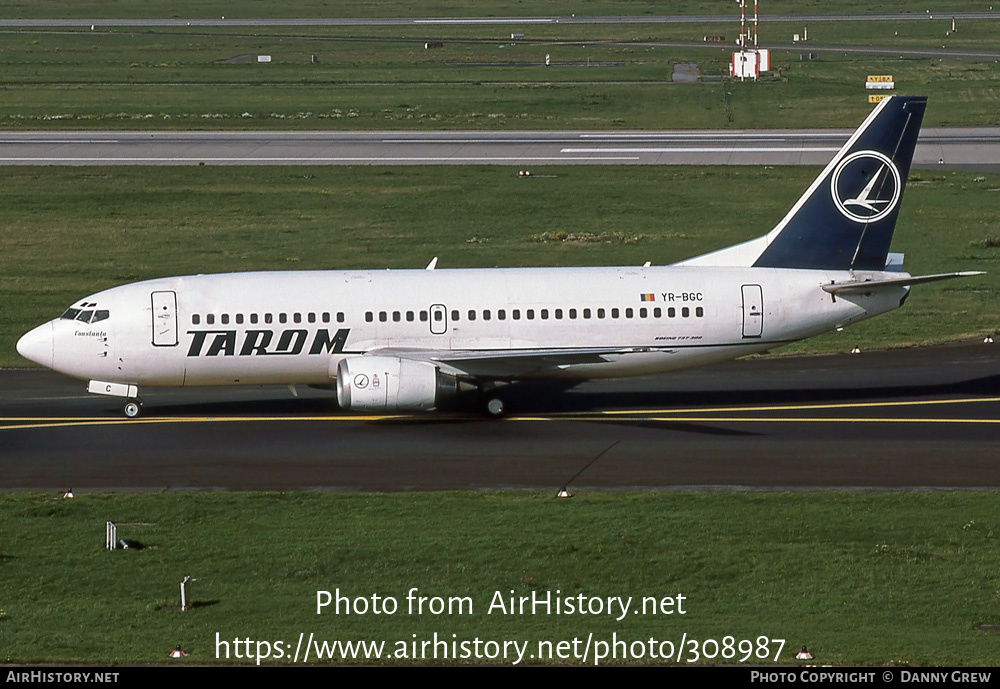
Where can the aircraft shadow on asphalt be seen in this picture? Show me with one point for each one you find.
(548, 398)
(536, 398)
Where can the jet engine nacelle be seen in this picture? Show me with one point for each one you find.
(388, 382)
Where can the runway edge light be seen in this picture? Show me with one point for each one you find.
(564, 493)
(801, 655)
(177, 652)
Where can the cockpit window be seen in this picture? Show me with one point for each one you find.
(86, 315)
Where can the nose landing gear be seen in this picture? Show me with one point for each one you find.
(133, 408)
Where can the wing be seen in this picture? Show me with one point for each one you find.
(504, 364)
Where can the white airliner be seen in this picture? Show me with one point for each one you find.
(411, 339)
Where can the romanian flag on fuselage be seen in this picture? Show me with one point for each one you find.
(647, 297)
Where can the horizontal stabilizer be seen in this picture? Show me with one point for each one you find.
(871, 285)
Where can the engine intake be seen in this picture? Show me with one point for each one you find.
(388, 382)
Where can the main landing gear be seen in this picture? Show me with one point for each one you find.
(495, 407)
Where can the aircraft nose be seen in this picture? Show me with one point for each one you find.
(37, 345)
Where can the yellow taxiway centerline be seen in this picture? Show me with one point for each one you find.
(703, 415)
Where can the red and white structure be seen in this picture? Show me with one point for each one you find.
(750, 60)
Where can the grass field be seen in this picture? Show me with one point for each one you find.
(601, 77)
(861, 579)
(69, 232)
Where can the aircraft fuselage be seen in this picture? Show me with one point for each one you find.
(294, 327)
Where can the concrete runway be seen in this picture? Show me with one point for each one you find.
(920, 418)
(488, 21)
(958, 147)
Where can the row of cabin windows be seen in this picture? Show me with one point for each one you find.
(254, 319)
(472, 314)
(543, 314)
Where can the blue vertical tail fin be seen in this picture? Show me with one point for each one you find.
(846, 218)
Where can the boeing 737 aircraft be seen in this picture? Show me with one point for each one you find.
(412, 339)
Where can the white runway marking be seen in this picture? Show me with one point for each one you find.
(520, 20)
(717, 135)
(708, 149)
(59, 141)
(375, 159)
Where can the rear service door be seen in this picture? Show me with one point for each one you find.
(753, 311)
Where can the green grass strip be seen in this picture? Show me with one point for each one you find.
(862, 579)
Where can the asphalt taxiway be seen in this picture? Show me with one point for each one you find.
(920, 418)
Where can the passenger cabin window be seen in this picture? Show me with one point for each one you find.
(195, 319)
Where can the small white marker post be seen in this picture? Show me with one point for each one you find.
(184, 595)
(110, 536)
